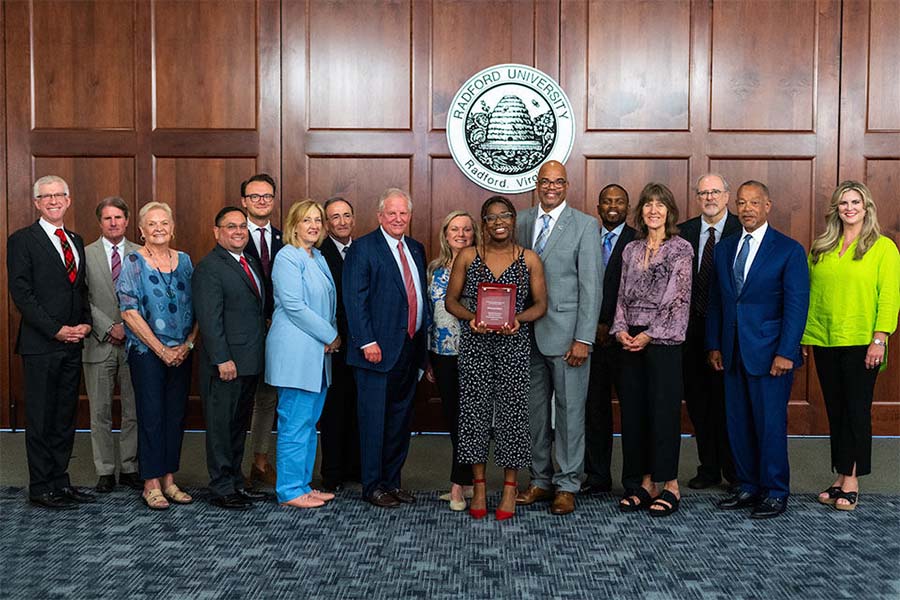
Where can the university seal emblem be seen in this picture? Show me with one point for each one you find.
(505, 122)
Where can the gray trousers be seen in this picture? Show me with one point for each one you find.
(264, 405)
(554, 381)
(100, 380)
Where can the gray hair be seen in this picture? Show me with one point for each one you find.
(47, 180)
(705, 175)
(394, 192)
(153, 206)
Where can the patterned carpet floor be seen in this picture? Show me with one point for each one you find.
(349, 549)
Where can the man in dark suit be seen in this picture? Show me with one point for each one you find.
(338, 423)
(229, 301)
(704, 387)
(258, 199)
(46, 266)
(612, 206)
(387, 316)
(758, 300)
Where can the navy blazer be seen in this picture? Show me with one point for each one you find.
(250, 250)
(612, 276)
(769, 315)
(41, 290)
(375, 301)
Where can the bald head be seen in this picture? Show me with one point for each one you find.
(552, 185)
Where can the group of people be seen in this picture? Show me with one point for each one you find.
(320, 326)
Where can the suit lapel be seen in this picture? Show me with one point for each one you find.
(526, 237)
(44, 242)
(765, 248)
(235, 266)
(565, 219)
(387, 255)
(95, 254)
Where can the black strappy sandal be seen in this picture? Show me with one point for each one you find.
(833, 492)
(667, 509)
(851, 497)
(629, 505)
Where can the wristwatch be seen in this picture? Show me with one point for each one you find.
(190, 345)
(878, 342)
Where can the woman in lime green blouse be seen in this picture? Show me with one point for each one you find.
(854, 300)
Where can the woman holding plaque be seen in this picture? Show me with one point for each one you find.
(494, 351)
(854, 296)
(650, 323)
(457, 232)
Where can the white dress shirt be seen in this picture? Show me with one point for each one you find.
(254, 236)
(539, 221)
(392, 244)
(50, 230)
(755, 241)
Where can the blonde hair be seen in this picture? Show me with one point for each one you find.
(154, 206)
(834, 227)
(446, 255)
(297, 213)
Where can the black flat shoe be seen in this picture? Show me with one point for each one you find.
(595, 489)
(403, 496)
(131, 480)
(383, 499)
(702, 482)
(231, 502)
(76, 495)
(105, 484)
(739, 500)
(53, 501)
(253, 495)
(667, 501)
(769, 508)
(629, 505)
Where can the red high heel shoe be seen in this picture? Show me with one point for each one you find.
(478, 513)
(502, 515)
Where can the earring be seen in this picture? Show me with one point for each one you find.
(143, 239)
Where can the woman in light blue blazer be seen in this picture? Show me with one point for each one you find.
(298, 350)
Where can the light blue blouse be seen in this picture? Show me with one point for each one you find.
(443, 335)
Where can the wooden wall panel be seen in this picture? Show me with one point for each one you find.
(361, 180)
(638, 58)
(205, 64)
(883, 91)
(80, 85)
(633, 174)
(6, 355)
(360, 64)
(763, 66)
(495, 33)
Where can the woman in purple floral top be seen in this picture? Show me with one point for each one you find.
(650, 323)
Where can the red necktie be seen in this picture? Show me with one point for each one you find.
(68, 257)
(244, 264)
(410, 285)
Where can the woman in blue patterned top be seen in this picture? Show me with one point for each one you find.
(457, 232)
(154, 290)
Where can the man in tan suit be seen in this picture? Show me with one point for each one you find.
(104, 351)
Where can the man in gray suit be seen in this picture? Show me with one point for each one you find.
(104, 356)
(229, 301)
(568, 242)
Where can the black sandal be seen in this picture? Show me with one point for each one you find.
(629, 505)
(834, 492)
(667, 509)
(851, 497)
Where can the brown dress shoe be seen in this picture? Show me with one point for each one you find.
(533, 494)
(265, 477)
(563, 503)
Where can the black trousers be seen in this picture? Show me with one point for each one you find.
(446, 375)
(704, 394)
(847, 386)
(339, 425)
(650, 399)
(51, 398)
(598, 431)
(226, 406)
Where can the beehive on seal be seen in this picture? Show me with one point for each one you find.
(510, 126)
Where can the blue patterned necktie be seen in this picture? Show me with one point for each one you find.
(541, 242)
(740, 263)
(608, 243)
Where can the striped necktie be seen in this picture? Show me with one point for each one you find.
(541, 242)
(68, 256)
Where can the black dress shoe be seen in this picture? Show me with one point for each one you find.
(595, 489)
(383, 499)
(702, 482)
(76, 495)
(231, 502)
(131, 480)
(739, 500)
(253, 495)
(105, 484)
(403, 496)
(769, 508)
(331, 486)
(53, 500)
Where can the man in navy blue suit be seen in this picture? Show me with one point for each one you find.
(387, 316)
(758, 302)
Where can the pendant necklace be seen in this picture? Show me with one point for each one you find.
(169, 293)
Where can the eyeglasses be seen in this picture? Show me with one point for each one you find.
(491, 219)
(260, 198)
(231, 227)
(710, 193)
(545, 183)
(56, 196)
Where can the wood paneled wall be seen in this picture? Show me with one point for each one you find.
(178, 101)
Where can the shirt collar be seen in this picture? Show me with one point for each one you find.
(254, 227)
(758, 234)
(617, 231)
(391, 241)
(554, 214)
(341, 246)
(48, 227)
